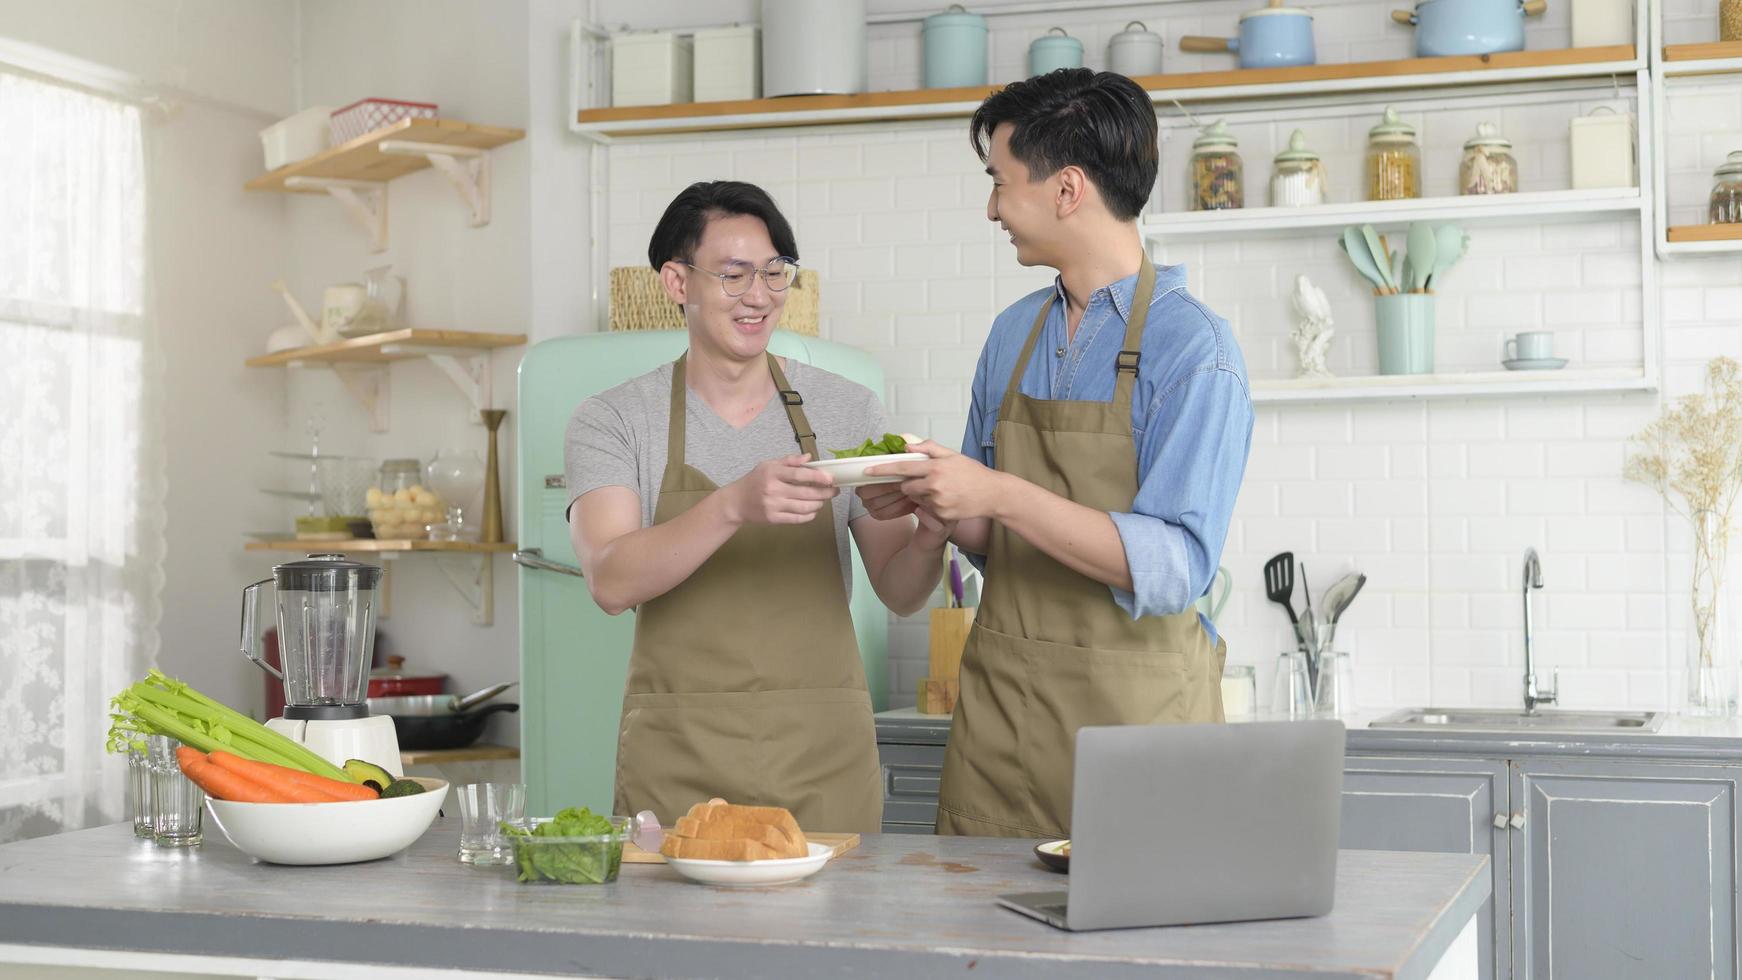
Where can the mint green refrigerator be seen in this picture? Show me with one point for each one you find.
(574, 659)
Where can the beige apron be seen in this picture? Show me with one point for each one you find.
(745, 681)
(1050, 650)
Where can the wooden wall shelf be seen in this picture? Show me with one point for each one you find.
(1714, 51)
(1404, 74)
(392, 345)
(362, 159)
(471, 753)
(381, 544)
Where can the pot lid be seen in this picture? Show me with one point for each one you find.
(955, 16)
(1392, 128)
(1215, 138)
(395, 670)
(325, 573)
(1297, 151)
(1732, 165)
(1276, 8)
(1060, 40)
(1487, 134)
(1136, 32)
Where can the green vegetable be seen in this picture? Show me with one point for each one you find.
(402, 787)
(369, 773)
(162, 705)
(886, 446)
(576, 862)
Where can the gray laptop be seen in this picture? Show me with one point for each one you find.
(1182, 824)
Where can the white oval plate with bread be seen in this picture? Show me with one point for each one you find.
(773, 871)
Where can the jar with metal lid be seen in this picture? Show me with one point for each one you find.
(1217, 180)
(1298, 178)
(401, 474)
(1727, 192)
(1488, 166)
(1393, 160)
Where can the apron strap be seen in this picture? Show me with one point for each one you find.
(1016, 373)
(674, 431)
(1131, 352)
(792, 400)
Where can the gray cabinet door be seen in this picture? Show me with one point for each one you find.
(1624, 870)
(910, 787)
(1436, 804)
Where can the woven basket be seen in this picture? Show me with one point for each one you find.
(638, 302)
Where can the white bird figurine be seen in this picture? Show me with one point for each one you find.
(1312, 335)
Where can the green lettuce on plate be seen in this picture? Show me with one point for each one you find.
(889, 445)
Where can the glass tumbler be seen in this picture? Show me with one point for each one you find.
(1292, 691)
(175, 801)
(1335, 697)
(1239, 692)
(483, 809)
(139, 790)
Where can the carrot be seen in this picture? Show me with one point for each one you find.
(224, 784)
(294, 782)
(186, 754)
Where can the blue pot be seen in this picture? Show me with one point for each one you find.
(955, 49)
(1270, 37)
(1050, 52)
(1454, 27)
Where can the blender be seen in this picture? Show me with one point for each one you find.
(326, 638)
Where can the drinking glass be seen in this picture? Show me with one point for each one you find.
(1292, 691)
(1335, 697)
(175, 801)
(483, 808)
(1239, 692)
(139, 789)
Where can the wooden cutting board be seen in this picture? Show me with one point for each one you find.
(842, 843)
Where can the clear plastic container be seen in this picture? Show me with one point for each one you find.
(400, 506)
(1488, 166)
(1298, 177)
(1393, 160)
(593, 859)
(1217, 179)
(1726, 208)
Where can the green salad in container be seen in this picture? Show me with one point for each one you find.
(575, 847)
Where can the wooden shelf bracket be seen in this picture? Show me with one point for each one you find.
(466, 167)
(366, 200)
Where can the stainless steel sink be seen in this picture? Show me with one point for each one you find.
(1518, 720)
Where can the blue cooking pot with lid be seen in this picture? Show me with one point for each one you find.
(1051, 51)
(1453, 27)
(1270, 37)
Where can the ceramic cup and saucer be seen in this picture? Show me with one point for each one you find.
(1532, 351)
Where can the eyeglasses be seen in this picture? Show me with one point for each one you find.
(735, 281)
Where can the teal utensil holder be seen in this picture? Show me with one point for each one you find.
(1406, 333)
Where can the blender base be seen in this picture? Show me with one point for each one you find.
(371, 739)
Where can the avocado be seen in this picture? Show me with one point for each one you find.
(402, 787)
(369, 774)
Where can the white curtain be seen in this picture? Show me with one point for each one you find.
(81, 475)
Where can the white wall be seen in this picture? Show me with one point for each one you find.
(228, 66)
(1437, 500)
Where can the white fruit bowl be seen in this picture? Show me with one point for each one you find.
(328, 833)
(776, 871)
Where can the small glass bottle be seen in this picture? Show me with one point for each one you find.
(1298, 179)
(1727, 192)
(1488, 166)
(1393, 160)
(1217, 183)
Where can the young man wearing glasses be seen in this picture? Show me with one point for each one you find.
(1105, 446)
(693, 507)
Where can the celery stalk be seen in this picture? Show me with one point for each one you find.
(162, 705)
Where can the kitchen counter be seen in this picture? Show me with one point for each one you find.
(896, 905)
(1681, 737)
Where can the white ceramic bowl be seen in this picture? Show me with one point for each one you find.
(328, 833)
(850, 472)
(778, 871)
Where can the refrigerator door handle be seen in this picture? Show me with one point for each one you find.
(534, 558)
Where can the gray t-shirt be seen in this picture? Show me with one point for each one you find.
(618, 438)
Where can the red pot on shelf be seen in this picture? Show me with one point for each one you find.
(394, 680)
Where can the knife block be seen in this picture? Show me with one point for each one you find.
(949, 636)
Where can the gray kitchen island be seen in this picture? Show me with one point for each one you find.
(897, 905)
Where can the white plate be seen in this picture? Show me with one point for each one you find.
(328, 833)
(850, 472)
(779, 871)
(1535, 363)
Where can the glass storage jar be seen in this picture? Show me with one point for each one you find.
(1393, 160)
(1217, 182)
(1298, 177)
(1727, 192)
(1488, 166)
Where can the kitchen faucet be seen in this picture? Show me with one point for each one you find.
(1533, 696)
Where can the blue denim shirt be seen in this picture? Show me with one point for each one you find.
(1191, 416)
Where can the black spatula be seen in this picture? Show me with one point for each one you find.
(1279, 586)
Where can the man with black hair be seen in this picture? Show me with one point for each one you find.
(691, 505)
(1106, 443)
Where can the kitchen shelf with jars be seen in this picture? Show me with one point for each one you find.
(1697, 209)
(1336, 192)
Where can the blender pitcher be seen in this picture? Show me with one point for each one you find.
(326, 634)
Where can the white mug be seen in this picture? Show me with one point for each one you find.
(1532, 345)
